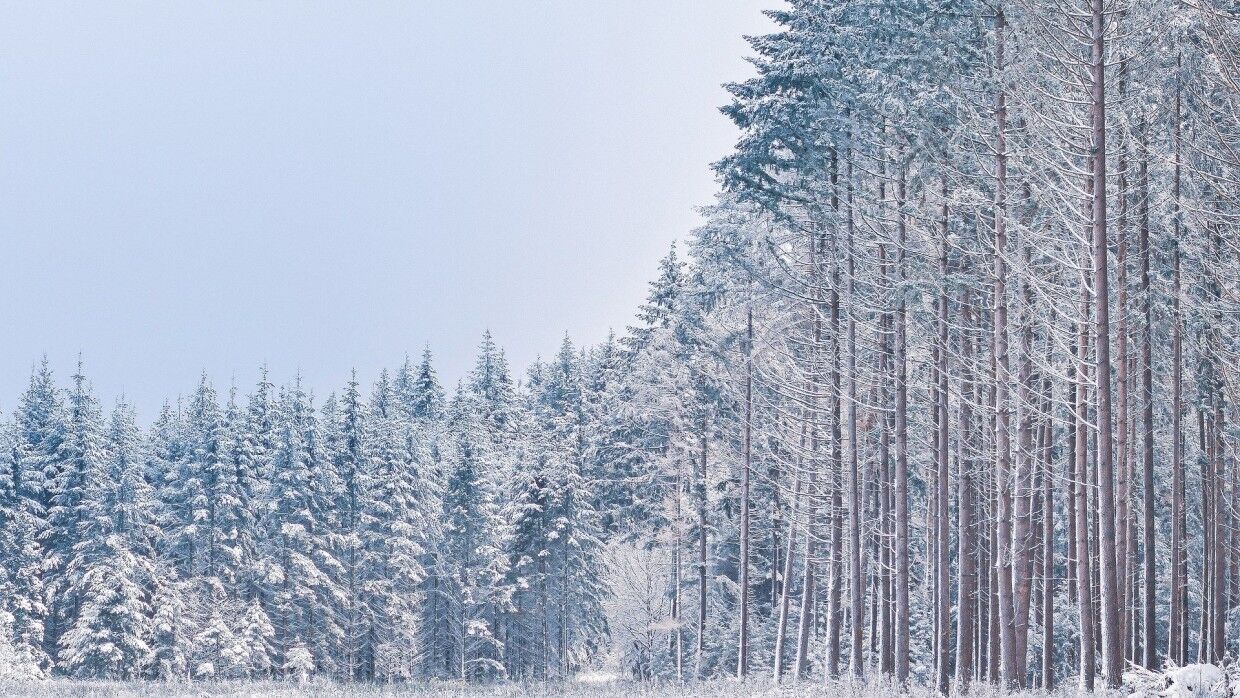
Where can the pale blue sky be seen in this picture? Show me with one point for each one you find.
(321, 185)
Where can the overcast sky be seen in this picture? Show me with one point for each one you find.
(194, 186)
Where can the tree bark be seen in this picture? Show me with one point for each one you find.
(1149, 536)
(1177, 647)
(856, 590)
(836, 581)
(1122, 484)
(966, 586)
(742, 654)
(700, 496)
(785, 595)
(1112, 641)
(835, 589)
(901, 428)
(1011, 676)
(1150, 658)
(941, 564)
(1048, 542)
(1080, 479)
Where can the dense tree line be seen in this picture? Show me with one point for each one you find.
(990, 252)
(944, 390)
(405, 534)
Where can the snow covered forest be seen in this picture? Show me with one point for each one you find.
(944, 390)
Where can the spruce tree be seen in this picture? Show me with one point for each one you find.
(112, 568)
(38, 432)
(81, 459)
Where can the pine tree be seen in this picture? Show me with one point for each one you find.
(296, 560)
(255, 447)
(16, 664)
(82, 458)
(476, 593)
(20, 582)
(112, 567)
(426, 395)
(211, 466)
(349, 459)
(660, 306)
(253, 647)
(490, 386)
(391, 534)
(175, 619)
(39, 431)
(214, 644)
(172, 627)
(572, 535)
(605, 428)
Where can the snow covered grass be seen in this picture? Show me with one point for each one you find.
(578, 689)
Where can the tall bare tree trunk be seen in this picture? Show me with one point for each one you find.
(901, 419)
(1219, 544)
(966, 586)
(1080, 478)
(836, 584)
(1207, 542)
(1023, 547)
(1150, 659)
(808, 590)
(1112, 641)
(1003, 449)
(942, 533)
(993, 642)
(808, 576)
(785, 594)
(742, 654)
(886, 367)
(1213, 384)
(1048, 541)
(678, 641)
(700, 496)
(856, 590)
(1177, 635)
(836, 476)
(1121, 396)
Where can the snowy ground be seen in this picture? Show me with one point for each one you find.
(713, 689)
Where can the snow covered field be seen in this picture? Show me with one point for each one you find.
(710, 689)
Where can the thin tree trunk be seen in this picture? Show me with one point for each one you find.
(1121, 396)
(1003, 451)
(856, 590)
(993, 617)
(1220, 545)
(785, 595)
(742, 654)
(1048, 542)
(901, 424)
(1150, 659)
(966, 586)
(678, 641)
(1112, 642)
(942, 578)
(835, 593)
(885, 486)
(1177, 646)
(1084, 582)
(700, 496)
(1221, 549)
(1023, 490)
(809, 576)
(1204, 629)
